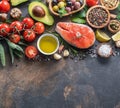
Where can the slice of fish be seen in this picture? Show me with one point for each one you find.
(78, 35)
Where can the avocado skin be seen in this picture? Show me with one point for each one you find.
(17, 2)
(47, 19)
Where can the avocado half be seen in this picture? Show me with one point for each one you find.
(17, 2)
(47, 19)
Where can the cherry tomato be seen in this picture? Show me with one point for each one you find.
(15, 38)
(16, 26)
(91, 2)
(28, 22)
(39, 28)
(4, 29)
(31, 51)
(4, 6)
(29, 35)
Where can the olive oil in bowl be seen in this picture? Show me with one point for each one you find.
(48, 44)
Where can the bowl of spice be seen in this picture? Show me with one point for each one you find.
(66, 7)
(110, 4)
(98, 16)
(114, 26)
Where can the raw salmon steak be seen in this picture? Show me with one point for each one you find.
(78, 35)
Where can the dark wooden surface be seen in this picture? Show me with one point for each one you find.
(89, 83)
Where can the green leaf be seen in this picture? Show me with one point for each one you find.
(118, 8)
(2, 55)
(12, 55)
(62, 11)
(22, 43)
(18, 53)
(81, 14)
(14, 46)
(78, 20)
(118, 16)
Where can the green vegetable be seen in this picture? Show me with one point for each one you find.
(80, 16)
(2, 55)
(78, 20)
(21, 43)
(14, 46)
(11, 54)
(18, 53)
(62, 11)
(118, 12)
(118, 8)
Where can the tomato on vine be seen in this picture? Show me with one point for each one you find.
(4, 29)
(31, 52)
(29, 35)
(15, 38)
(39, 28)
(27, 22)
(4, 6)
(16, 26)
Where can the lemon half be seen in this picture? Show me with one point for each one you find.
(101, 36)
(116, 37)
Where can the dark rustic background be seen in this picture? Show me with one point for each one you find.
(89, 83)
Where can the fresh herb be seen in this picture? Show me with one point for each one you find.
(62, 11)
(80, 16)
(2, 55)
(78, 20)
(118, 12)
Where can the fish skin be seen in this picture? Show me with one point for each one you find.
(78, 35)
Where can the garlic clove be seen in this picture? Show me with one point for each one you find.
(117, 43)
(57, 56)
(66, 53)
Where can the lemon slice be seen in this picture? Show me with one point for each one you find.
(116, 37)
(101, 36)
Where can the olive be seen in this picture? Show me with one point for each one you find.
(55, 8)
(61, 4)
(38, 11)
(54, 2)
(73, 1)
(77, 5)
(67, 0)
(81, 2)
(68, 9)
(69, 4)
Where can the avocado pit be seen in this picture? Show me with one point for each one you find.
(38, 11)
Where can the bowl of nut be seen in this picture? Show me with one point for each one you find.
(114, 26)
(98, 16)
(66, 7)
(110, 4)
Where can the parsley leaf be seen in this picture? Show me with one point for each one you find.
(62, 11)
(78, 20)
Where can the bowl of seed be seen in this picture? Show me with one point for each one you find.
(98, 16)
(110, 4)
(114, 26)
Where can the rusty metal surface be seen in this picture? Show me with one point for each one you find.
(89, 83)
